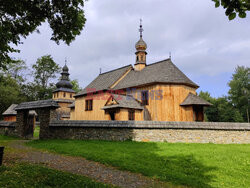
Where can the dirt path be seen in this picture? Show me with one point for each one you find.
(81, 166)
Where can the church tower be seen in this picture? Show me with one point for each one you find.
(63, 94)
(140, 53)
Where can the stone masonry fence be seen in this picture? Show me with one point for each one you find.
(155, 131)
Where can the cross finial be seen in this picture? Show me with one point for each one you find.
(140, 30)
(65, 60)
(169, 55)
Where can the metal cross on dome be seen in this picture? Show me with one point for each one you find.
(65, 60)
(141, 29)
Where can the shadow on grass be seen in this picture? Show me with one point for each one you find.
(185, 170)
(179, 169)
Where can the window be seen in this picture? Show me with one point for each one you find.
(89, 105)
(131, 115)
(141, 57)
(137, 58)
(64, 94)
(70, 95)
(57, 95)
(144, 97)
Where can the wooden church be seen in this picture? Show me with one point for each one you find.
(157, 91)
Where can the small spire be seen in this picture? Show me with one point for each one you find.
(169, 55)
(65, 60)
(100, 70)
(141, 29)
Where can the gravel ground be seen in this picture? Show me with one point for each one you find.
(81, 166)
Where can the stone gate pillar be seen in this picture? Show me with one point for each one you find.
(22, 123)
(45, 116)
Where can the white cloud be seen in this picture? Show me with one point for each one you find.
(200, 37)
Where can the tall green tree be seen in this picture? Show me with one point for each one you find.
(221, 110)
(234, 7)
(239, 93)
(19, 18)
(76, 86)
(10, 92)
(18, 70)
(44, 70)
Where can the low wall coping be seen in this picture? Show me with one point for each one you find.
(151, 125)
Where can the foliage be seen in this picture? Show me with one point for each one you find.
(193, 165)
(26, 175)
(45, 69)
(20, 18)
(239, 92)
(221, 110)
(17, 70)
(76, 86)
(233, 7)
(11, 92)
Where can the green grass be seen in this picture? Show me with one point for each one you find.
(36, 132)
(195, 165)
(6, 139)
(25, 175)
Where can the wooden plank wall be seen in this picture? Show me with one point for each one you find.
(166, 108)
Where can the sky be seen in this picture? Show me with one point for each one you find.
(204, 44)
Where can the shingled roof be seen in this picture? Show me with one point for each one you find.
(105, 80)
(193, 99)
(124, 101)
(37, 104)
(11, 110)
(160, 72)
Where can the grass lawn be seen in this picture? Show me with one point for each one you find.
(6, 139)
(36, 132)
(26, 175)
(195, 165)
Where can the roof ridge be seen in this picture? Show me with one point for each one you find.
(184, 74)
(168, 59)
(116, 69)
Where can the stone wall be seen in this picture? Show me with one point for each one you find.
(189, 132)
(8, 128)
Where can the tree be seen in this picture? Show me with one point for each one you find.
(239, 92)
(211, 112)
(76, 86)
(10, 92)
(233, 7)
(17, 70)
(45, 69)
(20, 18)
(221, 110)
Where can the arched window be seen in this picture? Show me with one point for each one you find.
(137, 58)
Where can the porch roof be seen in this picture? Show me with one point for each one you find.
(193, 99)
(124, 101)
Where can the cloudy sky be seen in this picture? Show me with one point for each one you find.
(203, 43)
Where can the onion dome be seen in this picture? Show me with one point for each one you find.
(141, 44)
(64, 81)
(65, 68)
